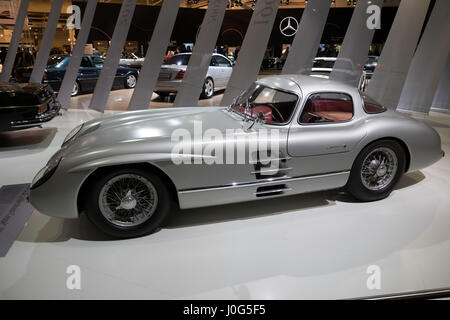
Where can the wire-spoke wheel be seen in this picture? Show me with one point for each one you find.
(377, 170)
(208, 88)
(130, 81)
(128, 202)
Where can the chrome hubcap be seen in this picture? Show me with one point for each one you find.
(379, 168)
(209, 88)
(128, 200)
(75, 89)
(131, 81)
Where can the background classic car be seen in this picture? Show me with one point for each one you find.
(120, 169)
(24, 106)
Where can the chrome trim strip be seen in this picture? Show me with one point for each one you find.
(269, 159)
(262, 182)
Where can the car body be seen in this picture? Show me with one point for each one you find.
(321, 129)
(131, 60)
(172, 73)
(88, 73)
(24, 106)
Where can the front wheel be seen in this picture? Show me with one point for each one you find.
(377, 170)
(130, 81)
(128, 202)
(208, 88)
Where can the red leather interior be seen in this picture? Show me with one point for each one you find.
(266, 111)
(334, 110)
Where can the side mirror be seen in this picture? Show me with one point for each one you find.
(260, 117)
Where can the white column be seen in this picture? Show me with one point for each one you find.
(429, 61)
(441, 100)
(252, 50)
(307, 40)
(71, 74)
(192, 83)
(155, 54)
(355, 48)
(46, 43)
(14, 44)
(390, 74)
(108, 72)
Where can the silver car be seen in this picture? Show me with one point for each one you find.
(173, 70)
(283, 135)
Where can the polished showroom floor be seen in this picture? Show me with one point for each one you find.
(316, 245)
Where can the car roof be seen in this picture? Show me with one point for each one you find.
(303, 84)
(189, 53)
(326, 58)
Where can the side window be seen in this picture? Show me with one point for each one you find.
(213, 62)
(370, 105)
(98, 62)
(85, 62)
(327, 107)
(222, 62)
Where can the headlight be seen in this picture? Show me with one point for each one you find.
(46, 172)
(72, 133)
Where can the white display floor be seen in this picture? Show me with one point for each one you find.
(308, 246)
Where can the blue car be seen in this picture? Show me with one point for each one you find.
(88, 73)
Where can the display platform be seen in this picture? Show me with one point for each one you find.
(321, 245)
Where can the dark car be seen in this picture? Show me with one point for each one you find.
(26, 105)
(88, 73)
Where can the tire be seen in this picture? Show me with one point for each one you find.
(75, 89)
(376, 181)
(208, 89)
(130, 81)
(106, 187)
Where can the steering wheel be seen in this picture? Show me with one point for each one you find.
(279, 116)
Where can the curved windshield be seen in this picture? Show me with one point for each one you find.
(271, 105)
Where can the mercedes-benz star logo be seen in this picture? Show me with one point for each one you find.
(288, 26)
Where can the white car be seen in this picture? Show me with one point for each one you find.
(173, 70)
(323, 66)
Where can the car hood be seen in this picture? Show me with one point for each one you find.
(157, 125)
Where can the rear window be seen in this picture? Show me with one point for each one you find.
(181, 60)
(370, 105)
(323, 64)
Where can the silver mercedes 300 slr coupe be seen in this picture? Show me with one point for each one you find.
(283, 135)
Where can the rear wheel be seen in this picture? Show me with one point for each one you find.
(377, 170)
(128, 202)
(208, 88)
(75, 89)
